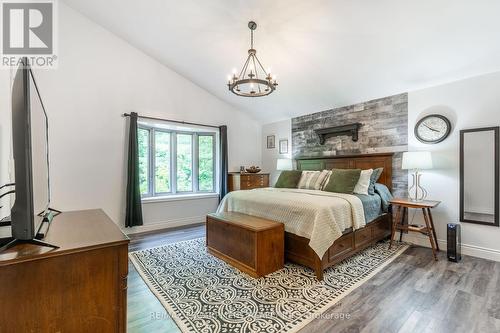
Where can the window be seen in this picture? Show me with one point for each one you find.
(184, 162)
(175, 161)
(205, 162)
(143, 138)
(162, 162)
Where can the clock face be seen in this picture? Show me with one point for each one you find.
(432, 129)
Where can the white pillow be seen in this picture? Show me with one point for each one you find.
(327, 178)
(312, 180)
(363, 182)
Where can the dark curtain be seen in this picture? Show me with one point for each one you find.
(133, 216)
(223, 161)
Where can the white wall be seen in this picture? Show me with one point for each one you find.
(99, 77)
(281, 130)
(469, 103)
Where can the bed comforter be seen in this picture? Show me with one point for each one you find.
(317, 215)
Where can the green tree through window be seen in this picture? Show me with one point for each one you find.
(162, 162)
(206, 162)
(172, 162)
(184, 162)
(143, 141)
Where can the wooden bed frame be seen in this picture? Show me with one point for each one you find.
(297, 248)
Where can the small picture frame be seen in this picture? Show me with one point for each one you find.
(271, 142)
(284, 146)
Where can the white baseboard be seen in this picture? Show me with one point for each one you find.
(165, 224)
(469, 250)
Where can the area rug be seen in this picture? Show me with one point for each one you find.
(204, 294)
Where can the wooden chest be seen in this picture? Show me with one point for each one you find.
(251, 244)
(247, 181)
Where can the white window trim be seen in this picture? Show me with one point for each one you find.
(179, 197)
(174, 195)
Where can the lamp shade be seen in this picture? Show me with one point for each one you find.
(284, 164)
(417, 160)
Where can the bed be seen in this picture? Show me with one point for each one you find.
(308, 214)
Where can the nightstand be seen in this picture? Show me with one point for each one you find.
(401, 208)
(247, 181)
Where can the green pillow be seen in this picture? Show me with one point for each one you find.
(288, 179)
(343, 180)
(373, 179)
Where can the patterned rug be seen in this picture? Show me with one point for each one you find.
(204, 294)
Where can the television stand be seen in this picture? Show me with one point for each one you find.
(80, 287)
(14, 242)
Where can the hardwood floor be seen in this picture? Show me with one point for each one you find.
(413, 294)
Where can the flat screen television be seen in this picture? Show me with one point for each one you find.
(31, 156)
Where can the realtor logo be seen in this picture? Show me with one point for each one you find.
(28, 31)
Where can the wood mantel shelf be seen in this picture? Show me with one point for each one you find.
(349, 130)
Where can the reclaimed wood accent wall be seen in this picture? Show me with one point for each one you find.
(384, 129)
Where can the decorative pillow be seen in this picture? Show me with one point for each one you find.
(288, 179)
(327, 178)
(373, 179)
(312, 180)
(343, 180)
(363, 182)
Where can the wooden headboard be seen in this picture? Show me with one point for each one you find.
(369, 161)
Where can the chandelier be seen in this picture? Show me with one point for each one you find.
(253, 80)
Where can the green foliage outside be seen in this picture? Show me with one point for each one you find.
(143, 140)
(162, 162)
(206, 163)
(184, 162)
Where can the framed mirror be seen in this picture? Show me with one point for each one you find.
(479, 182)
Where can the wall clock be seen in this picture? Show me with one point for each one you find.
(433, 128)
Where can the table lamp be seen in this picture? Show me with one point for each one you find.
(417, 160)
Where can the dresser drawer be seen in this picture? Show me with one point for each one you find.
(252, 178)
(245, 178)
(247, 186)
(248, 181)
(381, 228)
(341, 246)
(363, 236)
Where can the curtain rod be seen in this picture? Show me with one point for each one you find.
(171, 121)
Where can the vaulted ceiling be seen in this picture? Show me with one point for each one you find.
(326, 53)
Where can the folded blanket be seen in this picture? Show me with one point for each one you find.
(385, 194)
(317, 215)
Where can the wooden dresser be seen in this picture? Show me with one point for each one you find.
(80, 287)
(247, 181)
